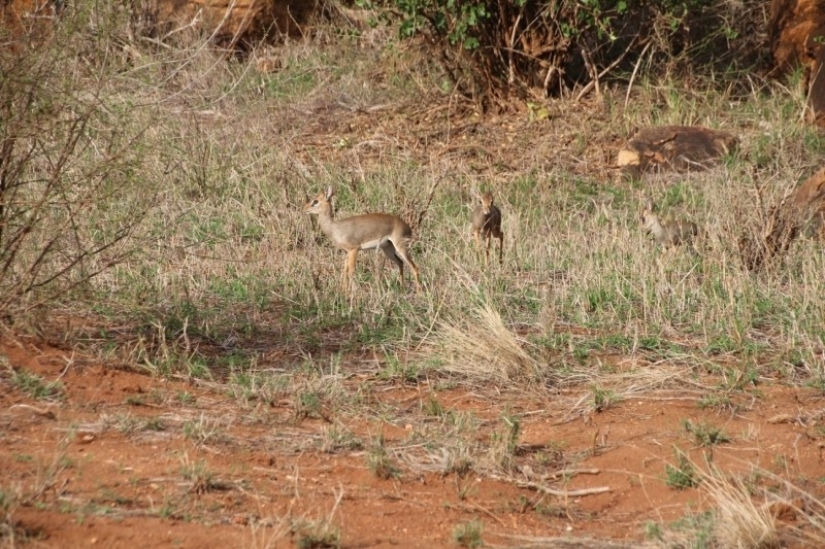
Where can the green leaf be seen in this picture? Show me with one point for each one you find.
(471, 43)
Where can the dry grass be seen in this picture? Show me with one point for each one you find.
(223, 250)
(481, 348)
(745, 513)
(224, 277)
(805, 509)
(740, 521)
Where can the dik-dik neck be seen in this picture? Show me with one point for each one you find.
(654, 226)
(326, 219)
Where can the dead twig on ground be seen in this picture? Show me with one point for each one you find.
(551, 491)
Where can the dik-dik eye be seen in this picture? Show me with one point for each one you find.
(314, 202)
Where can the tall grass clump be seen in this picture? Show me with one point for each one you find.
(741, 522)
(481, 347)
(759, 510)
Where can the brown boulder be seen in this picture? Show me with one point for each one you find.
(796, 28)
(797, 38)
(680, 148)
(231, 23)
(249, 22)
(809, 201)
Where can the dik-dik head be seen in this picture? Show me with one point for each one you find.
(648, 216)
(485, 201)
(321, 202)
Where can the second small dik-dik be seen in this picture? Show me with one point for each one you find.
(486, 222)
(388, 232)
(669, 233)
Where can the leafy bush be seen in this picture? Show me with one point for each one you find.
(494, 49)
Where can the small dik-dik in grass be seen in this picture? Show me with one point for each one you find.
(364, 232)
(486, 224)
(669, 233)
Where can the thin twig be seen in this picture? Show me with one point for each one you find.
(547, 490)
(633, 75)
(511, 76)
(573, 472)
(563, 493)
(426, 207)
(595, 81)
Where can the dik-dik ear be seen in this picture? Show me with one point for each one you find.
(645, 208)
(330, 192)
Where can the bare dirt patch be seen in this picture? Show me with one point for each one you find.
(120, 458)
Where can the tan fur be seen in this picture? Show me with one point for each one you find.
(364, 232)
(668, 233)
(817, 224)
(486, 223)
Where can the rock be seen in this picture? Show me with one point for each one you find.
(231, 23)
(809, 200)
(816, 87)
(680, 148)
(797, 38)
(250, 22)
(794, 29)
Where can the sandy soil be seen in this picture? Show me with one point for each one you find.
(123, 459)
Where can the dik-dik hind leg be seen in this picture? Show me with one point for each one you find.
(390, 251)
(402, 252)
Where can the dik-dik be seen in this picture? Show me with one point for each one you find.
(486, 223)
(669, 233)
(363, 232)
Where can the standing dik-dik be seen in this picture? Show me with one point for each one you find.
(668, 233)
(364, 232)
(486, 222)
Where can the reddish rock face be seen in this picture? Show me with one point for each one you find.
(17, 15)
(245, 22)
(796, 30)
(232, 23)
(797, 37)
